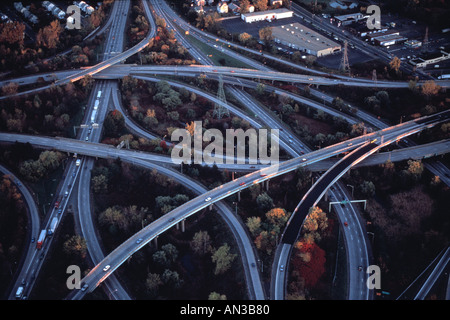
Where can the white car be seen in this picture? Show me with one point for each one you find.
(207, 199)
(106, 268)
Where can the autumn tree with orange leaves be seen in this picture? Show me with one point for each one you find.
(308, 264)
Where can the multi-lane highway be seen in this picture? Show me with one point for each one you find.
(106, 91)
(23, 277)
(65, 143)
(98, 107)
(309, 200)
(126, 249)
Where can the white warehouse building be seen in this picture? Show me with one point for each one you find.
(268, 15)
(301, 38)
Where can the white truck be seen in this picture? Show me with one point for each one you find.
(53, 225)
(19, 292)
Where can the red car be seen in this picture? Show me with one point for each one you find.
(346, 224)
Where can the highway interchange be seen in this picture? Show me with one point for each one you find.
(108, 71)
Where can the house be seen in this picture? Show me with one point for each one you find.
(222, 7)
(199, 3)
(84, 7)
(234, 7)
(199, 9)
(275, 2)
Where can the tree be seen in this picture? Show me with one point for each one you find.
(75, 247)
(415, 169)
(172, 279)
(367, 188)
(12, 33)
(49, 35)
(87, 82)
(430, 88)
(217, 296)
(383, 97)
(129, 83)
(190, 127)
(304, 178)
(100, 184)
(152, 283)
(395, 64)
(254, 225)
(277, 217)
(309, 262)
(315, 220)
(223, 259)
(114, 123)
(201, 243)
(357, 129)
(287, 109)
(10, 89)
(113, 219)
(160, 258)
(260, 88)
(260, 5)
(50, 159)
(264, 202)
(265, 34)
(171, 252)
(262, 242)
(244, 37)
(244, 5)
(168, 97)
(32, 170)
(173, 115)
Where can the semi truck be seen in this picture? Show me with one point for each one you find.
(41, 239)
(53, 225)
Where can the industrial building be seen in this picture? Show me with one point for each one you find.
(268, 15)
(347, 19)
(430, 59)
(388, 40)
(385, 38)
(301, 38)
(413, 44)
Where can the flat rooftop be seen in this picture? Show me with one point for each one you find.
(268, 12)
(297, 33)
